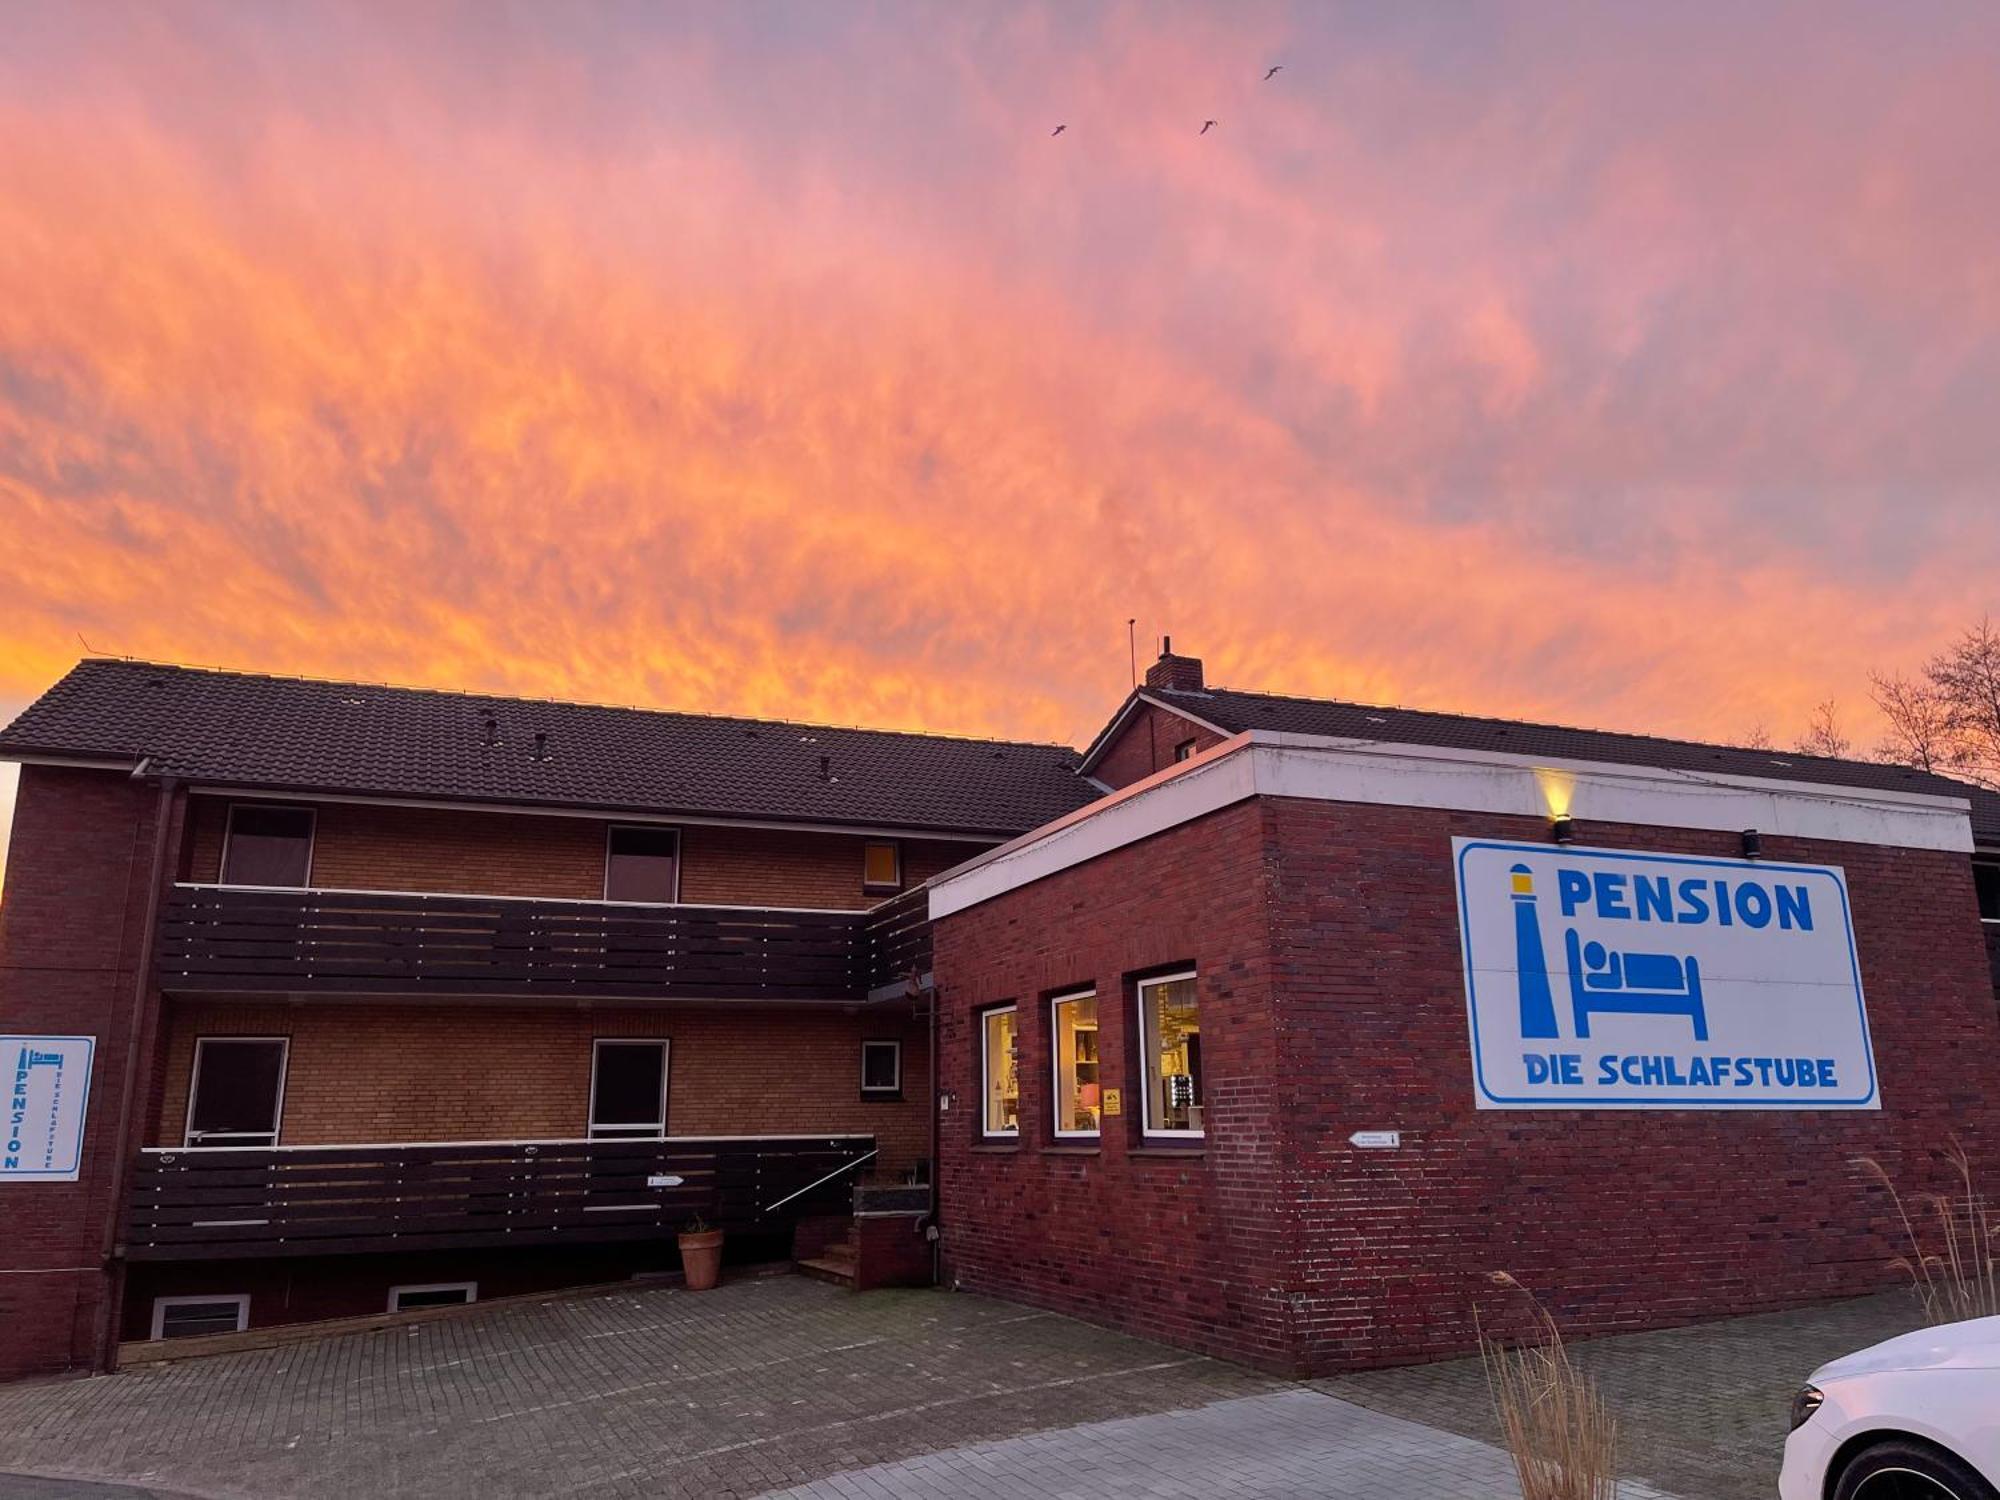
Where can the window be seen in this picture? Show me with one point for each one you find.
(882, 867)
(191, 1317)
(1986, 880)
(882, 1069)
(643, 864)
(1000, 1076)
(1073, 1030)
(628, 1090)
(1170, 1041)
(268, 846)
(237, 1094)
(1184, 751)
(432, 1294)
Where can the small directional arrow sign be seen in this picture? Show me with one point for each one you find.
(1376, 1140)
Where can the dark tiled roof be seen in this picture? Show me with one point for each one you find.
(240, 729)
(1235, 712)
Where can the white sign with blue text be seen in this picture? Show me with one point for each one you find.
(48, 1084)
(1600, 979)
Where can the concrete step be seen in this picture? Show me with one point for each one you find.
(843, 1250)
(826, 1268)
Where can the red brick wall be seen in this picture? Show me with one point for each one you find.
(1186, 1247)
(1146, 744)
(377, 1073)
(357, 846)
(1618, 1220)
(70, 936)
(1333, 1000)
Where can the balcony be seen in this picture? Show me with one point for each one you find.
(227, 1203)
(216, 940)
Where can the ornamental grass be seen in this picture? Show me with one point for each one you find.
(1954, 1237)
(1555, 1424)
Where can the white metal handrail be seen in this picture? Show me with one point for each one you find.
(843, 1167)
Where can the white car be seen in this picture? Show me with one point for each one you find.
(1915, 1418)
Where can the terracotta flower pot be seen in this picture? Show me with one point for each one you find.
(701, 1259)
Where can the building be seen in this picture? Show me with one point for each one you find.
(387, 997)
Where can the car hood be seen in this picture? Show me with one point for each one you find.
(1972, 1345)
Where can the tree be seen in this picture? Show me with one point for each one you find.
(1823, 735)
(1949, 718)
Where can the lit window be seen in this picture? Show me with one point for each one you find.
(642, 864)
(1073, 1025)
(191, 1317)
(882, 1068)
(432, 1294)
(1170, 1038)
(1184, 751)
(1000, 1075)
(1986, 880)
(236, 1096)
(268, 846)
(628, 1091)
(882, 867)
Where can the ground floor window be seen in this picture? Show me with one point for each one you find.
(237, 1094)
(190, 1317)
(1170, 1041)
(882, 1069)
(628, 1090)
(1073, 1031)
(432, 1294)
(1000, 1074)
(1986, 880)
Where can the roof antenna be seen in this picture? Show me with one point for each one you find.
(1132, 648)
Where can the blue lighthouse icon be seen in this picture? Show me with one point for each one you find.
(1538, 1006)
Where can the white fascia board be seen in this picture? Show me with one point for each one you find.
(1316, 768)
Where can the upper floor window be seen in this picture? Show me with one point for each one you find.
(237, 1094)
(643, 864)
(1986, 880)
(1170, 1044)
(882, 866)
(882, 1069)
(269, 846)
(1184, 751)
(628, 1090)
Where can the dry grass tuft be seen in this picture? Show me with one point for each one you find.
(1960, 1277)
(1559, 1432)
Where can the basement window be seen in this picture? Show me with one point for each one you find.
(1000, 1073)
(643, 865)
(1170, 1041)
(191, 1317)
(1986, 880)
(268, 847)
(882, 866)
(432, 1294)
(1073, 1030)
(628, 1090)
(882, 1069)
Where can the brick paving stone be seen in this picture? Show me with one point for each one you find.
(1701, 1410)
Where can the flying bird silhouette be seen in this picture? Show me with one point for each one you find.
(1057, 131)
(1206, 126)
(1276, 69)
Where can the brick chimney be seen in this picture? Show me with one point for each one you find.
(1179, 673)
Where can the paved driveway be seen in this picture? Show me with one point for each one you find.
(786, 1385)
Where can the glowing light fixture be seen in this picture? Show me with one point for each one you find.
(1564, 829)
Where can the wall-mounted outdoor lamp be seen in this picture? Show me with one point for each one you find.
(1564, 829)
(1753, 844)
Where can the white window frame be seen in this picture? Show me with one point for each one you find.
(161, 1304)
(986, 1071)
(591, 1130)
(680, 850)
(1055, 1070)
(470, 1288)
(895, 847)
(194, 1089)
(1148, 1062)
(881, 1090)
(229, 832)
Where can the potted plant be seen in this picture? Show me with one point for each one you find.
(701, 1254)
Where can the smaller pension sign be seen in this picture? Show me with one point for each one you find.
(48, 1084)
(1600, 979)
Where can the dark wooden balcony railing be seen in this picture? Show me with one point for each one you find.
(896, 941)
(229, 1203)
(350, 942)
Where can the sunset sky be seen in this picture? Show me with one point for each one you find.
(1634, 366)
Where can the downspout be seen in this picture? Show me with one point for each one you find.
(931, 1228)
(139, 1051)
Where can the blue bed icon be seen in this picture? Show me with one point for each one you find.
(1647, 984)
